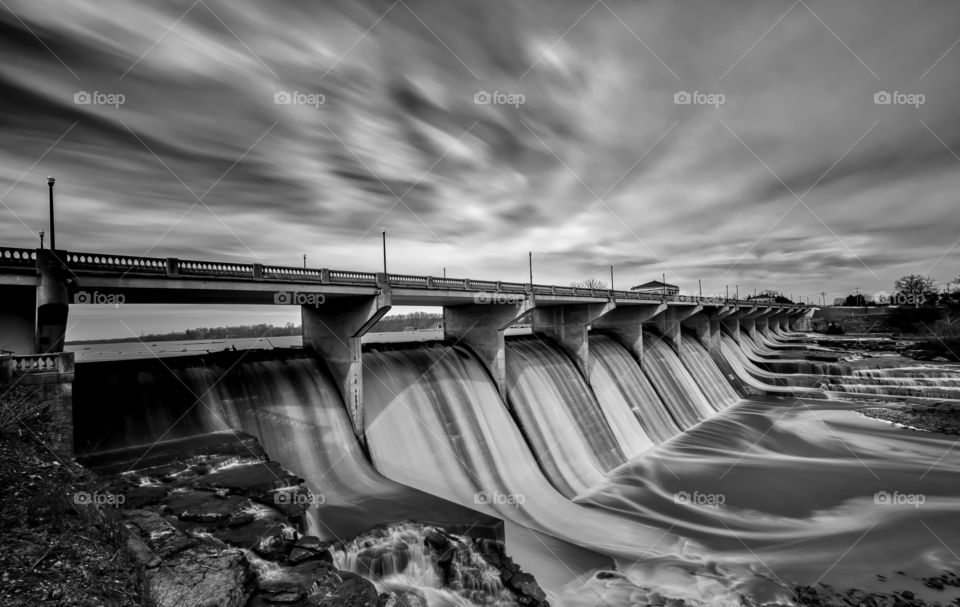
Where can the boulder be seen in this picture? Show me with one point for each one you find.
(157, 533)
(201, 577)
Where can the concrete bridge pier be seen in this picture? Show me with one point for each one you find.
(569, 326)
(481, 327)
(626, 322)
(52, 302)
(18, 319)
(748, 320)
(801, 322)
(334, 329)
(670, 322)
(706, 326)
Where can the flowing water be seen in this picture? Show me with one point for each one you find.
(620, 385)
(716, 388)
(289, 403)
(753, 497)
(677, 388)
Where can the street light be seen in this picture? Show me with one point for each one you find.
(53, 237)
(41, 238)
(384, 234)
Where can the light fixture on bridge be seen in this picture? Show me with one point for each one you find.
(41, 238)
(53, 237)
(384, 233)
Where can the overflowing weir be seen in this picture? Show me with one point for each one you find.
(652, 460)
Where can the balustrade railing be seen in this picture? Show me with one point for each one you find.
(13, 366)
(127, 264)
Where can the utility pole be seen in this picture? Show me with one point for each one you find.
(530, 266)
(611, 278)
(700, 286)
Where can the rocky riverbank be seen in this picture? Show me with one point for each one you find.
(943, 417)
(226, 530)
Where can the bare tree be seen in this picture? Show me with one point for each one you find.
(915, 287)
(589, 283)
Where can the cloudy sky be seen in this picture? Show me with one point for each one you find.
(782, 172)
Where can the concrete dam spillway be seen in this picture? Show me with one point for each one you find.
(637, 449)
(657, 461)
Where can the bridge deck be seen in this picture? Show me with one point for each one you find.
(173, 280)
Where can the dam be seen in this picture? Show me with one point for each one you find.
(634, 446)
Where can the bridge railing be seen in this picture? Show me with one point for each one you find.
(170, 266)
(126, 263)
(10, 256)
(13, 366)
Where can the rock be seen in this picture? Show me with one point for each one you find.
(162, 538)
(406, 598)
(343, 589)
(205, 506)
(280, 592)
(246, 536)
(201, 577)
(144, 495)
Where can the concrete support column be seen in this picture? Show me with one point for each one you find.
(52, 302)
(568, 325)
(481, 327)
(801, 321)
(670, 322)
(626, 322)
(706, 326)
(333, 329)
(18, 313)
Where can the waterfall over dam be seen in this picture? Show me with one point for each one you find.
(652, 461)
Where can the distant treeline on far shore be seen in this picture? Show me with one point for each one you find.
(397, 322)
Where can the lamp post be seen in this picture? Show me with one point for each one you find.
(41, 238)
(53, 237)
(384, 234)
(304, 260)
(611, 278)
(530, 266)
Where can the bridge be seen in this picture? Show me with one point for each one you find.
(38, 287)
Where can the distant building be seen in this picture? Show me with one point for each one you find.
(655, 286)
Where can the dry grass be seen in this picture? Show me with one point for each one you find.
(19, 406)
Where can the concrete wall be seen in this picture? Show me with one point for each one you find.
(49, 378)
(333, 330)
(18, 309)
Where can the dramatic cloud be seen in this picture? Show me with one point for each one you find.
(475, 132)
